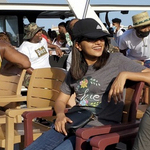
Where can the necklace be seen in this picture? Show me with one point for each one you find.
(144, 45)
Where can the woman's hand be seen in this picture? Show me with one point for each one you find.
(60, 122)
(116, 90)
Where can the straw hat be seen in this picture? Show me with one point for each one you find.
(141, 19)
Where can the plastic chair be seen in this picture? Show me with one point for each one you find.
(132, 98)
(43, 89)
(10, 90)
(10, 96)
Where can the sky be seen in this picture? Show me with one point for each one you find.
(126, 19)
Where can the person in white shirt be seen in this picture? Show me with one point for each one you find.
(134, 43)
(36, 48)
(62, 29)
(118, 30)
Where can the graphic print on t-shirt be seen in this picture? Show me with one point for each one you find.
(41, 51)
(84, 88)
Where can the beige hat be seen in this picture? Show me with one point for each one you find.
(141, 19)
(30, 30)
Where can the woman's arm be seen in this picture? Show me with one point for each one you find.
(116, 90)
(59, 107)
(8, 52)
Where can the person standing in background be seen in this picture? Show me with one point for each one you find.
(134, 43)
(62, 29)
(69, 29)
(60, 40)
(115, 29)
(118, 30)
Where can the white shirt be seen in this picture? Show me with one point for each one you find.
(117, 35)
(69, 61)
(37, 53)
(139, 48)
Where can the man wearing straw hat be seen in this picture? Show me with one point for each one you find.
(134, 43)
(136, 40)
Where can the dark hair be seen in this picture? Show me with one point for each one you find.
(45, 33)
(62, 37)
(63, 24)
(5, 37)
(116, 20)
(79, 65)
(52, 34)
(70, 25)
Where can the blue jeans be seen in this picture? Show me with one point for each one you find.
(147, 63)
(142, 141)
(52, 140)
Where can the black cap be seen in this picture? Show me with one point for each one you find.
(89, 28)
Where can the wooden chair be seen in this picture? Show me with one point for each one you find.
(10, 90)
(146, 90)
(43, 89)
(132, 98)
(10, 96)
(30, 115)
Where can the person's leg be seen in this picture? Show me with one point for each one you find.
(68, 144)
(142, 141)
(47, 141)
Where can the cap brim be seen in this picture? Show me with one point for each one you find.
(97, 34)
